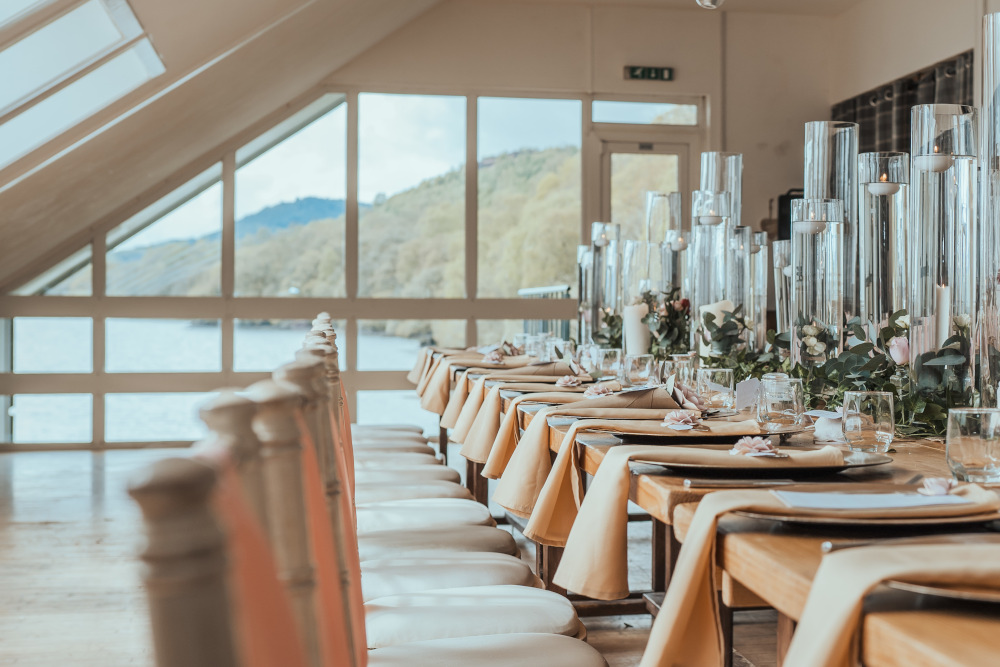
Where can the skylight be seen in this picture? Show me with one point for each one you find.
(15, 9)
(67, 69)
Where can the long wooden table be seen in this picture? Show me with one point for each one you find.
(765, 562)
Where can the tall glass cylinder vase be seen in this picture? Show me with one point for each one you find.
(739, 273)
(760, 267)
(989, 188)
(817, 304)
(585, 292)
(882, 237)
(657, 216)
(782, 251)
(607, 264)
(944, 252)
(675, 262)
(831, 172)
(710, 232)
(723, 172)
(642, 287)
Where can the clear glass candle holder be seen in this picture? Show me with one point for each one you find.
(972, 444)
(882, 237)
(710, 230)
(723, 172)
(604, 243)
(782, 251)
(585, 291)
(717, 387)
(781, 403)
(869, 421)
(759, 270)
(817, 280)
(658, 216)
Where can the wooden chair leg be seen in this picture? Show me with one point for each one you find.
(481, 485)
(726, 625)
(443, 443)
(660, 564)
(786, 628)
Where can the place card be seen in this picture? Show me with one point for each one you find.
(862, 501)
(747, 393)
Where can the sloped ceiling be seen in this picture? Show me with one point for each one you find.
(277, 51)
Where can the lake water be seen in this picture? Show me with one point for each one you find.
(64, 345)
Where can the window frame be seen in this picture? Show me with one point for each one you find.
(350, 308)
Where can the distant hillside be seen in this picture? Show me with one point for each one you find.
(284, 215)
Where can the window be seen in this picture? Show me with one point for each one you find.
(70, 277)
(53, 344)
(162, 345)
(52, 417)
(529, 193)
(392, 345)
(632, 174)
(153, 417)
(82, 61)
(263, 345)
(411, 195)
(290, 203)
(644, 113)
(12, 10)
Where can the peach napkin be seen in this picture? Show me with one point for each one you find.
(595, 561)
(438, 388)
(827, 634)
(686, 632)
(561, 497)
(529, 465)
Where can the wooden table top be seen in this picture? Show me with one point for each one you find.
(777, 563)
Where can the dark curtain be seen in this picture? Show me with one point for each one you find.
(883, 114)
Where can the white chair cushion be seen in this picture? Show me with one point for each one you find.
(520, 650)
(388, 435)
(380, 493)
(430, 543)
(385, 447)
(396, 576)
(396, 474)
(364, 428)
(379, 459)
(467, 612)
(422, 514)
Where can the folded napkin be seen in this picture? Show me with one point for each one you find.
(529, 465)
(686, 632)
(595, 561)
(827, 634)
(547, 373)
(478, 442)
(562, 495)
(460, 392)
(437, 390)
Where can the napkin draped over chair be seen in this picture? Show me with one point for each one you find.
(595, 562)
(686, 632)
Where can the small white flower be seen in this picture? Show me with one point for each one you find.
(494, 357)
(903, 321)
(679, 420)
(962, 321)
(819, 347)
(568, 381)
(753, 446)
(810, 341)
(598, 390)
(810, 330)
(937, 486)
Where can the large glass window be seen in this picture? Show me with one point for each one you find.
(162, 346)
(53, 344)
(632, 174)
(263, 345)
(290, 203)
(52, 418)
(153, 417)
(529, 193)
(411, 195)
(392, 345)
(644, 113)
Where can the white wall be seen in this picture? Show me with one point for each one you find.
(763, 75)
(879, 41)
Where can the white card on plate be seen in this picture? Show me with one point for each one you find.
(861, 501)
(747, 393)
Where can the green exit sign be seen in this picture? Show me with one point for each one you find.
(649, 73)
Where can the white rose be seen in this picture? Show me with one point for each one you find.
(809, 341)
(819, 347)
(962, 321)
(903, 321)
(810, 330)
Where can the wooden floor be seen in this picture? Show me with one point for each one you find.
(69, 581)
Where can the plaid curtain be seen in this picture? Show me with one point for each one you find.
(883, 114)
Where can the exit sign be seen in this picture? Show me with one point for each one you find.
(643, 73)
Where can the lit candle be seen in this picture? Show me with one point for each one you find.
(679, 244)
(936, 163)
(942, 313)
(811, 226)
(883, 186)
(634, 332)
(710, 219)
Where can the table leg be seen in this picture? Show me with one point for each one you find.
(786, 628)
(661, 566)
(726, 625)
(443, 442)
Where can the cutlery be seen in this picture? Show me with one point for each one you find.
(736, 483)
(962, 538)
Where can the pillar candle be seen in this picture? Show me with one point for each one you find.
(942, 313)
(635, 333)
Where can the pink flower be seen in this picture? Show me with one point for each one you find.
(678, 418)
(568, 381)
(494, 357)
(753, 446)
(598, 390)
(680, 305)
(899, 350)
(937, 486)
(688, 398)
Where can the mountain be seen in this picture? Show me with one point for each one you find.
(284, 215)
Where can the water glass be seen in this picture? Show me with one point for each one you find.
(781, 403)
(717, 387)
(684, 368)
(535, 346)
(972, 445)
(638, 369)
(869, 420)
(610, 363)
(586, 357)
(559, 350)
(664, 370)
(521, 342)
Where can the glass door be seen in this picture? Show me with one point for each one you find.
(629, 169)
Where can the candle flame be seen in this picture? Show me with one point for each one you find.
(884, 178)
(937, 150)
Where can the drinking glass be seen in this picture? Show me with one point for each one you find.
(972, 446)
(869, 420)
(781, 402)
(638, 368)
(559, 350)
(585, 357)
(520, 342)
(610, 363)
(664, 370)
(684, 368)
(717, 387)
(535, 346)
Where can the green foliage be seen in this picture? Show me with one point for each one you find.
(669, 322)
(728, 348)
